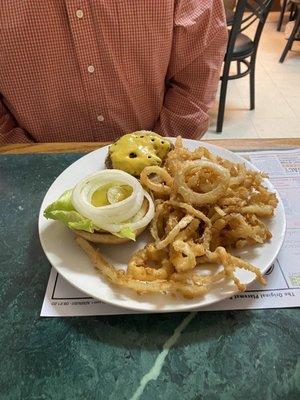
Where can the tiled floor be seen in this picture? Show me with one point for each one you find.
(277, 111)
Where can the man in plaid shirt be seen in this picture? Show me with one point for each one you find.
(79, 70)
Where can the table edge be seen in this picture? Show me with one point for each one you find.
(84, 147)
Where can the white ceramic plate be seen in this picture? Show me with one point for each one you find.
(73, 264)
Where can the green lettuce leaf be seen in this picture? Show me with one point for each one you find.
(126, 233)
(63, 210)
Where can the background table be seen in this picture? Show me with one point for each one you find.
(220, 355)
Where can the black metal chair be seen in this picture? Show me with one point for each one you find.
(282, 12)
(240, 48)
(294, 32)
(229, 16)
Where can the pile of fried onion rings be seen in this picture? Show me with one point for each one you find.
(205, 207)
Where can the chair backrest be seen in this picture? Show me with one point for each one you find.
(247, 12)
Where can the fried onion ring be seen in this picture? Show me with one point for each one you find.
(182, 256)
(160, 188)
(120, 278)
(190, 209)
(200, 199)
(174, 232)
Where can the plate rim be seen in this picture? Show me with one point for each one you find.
(183, 307)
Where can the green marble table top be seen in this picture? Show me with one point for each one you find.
(189, 356)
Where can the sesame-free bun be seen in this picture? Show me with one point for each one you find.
(105, 238)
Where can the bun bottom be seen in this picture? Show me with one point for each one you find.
(105, 238)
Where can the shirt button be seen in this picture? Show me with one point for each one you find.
(91, 69)
(79, 14)
(100, 118)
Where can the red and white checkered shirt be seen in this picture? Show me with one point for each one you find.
(80, 70)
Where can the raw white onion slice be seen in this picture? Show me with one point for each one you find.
(113, 217)
(134, 225)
